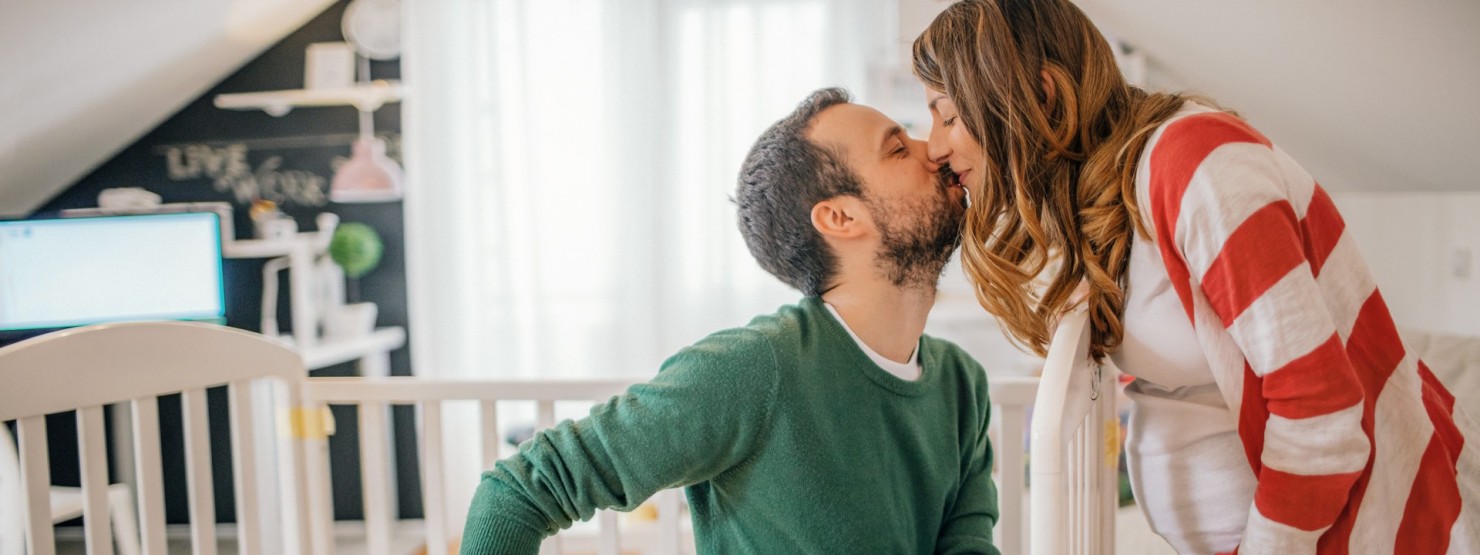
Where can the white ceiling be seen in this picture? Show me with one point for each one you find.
(1369, 95)
(82, 79)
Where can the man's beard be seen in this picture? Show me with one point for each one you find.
(916, 245)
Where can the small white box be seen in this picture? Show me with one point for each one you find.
(329, 65)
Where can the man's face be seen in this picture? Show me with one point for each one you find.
(915, 206)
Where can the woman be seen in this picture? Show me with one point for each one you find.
(1274, 407)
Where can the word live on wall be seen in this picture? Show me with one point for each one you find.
(230, 169)
(227, 168)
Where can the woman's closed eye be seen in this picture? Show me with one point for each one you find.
(947, 122)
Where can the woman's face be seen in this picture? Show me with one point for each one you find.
(950, 143)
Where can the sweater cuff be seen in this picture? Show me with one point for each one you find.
(500, 536)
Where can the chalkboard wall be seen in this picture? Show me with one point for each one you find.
(204, 153)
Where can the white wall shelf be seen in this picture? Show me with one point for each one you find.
(367, 97)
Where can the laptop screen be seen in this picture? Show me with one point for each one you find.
(76, 271)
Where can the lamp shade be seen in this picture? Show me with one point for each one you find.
(368, 176)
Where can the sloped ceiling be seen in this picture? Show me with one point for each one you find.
(82, 79)
(1369, 95)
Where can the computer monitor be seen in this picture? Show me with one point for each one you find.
(60, 273)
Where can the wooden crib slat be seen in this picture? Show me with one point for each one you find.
(1074, 480)
(610, 540)
(545, 418)
(431, 476)
(93, 458)
(150, 475)
(1092, 448)
(36, 481)
(669, 531)
(244, 467)
(545, 414)
(315, 443)
(199, 482)
(1107, 441)
(376, 477)
(1011, 421)
(488, 410)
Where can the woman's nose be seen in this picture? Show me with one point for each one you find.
(937, 148)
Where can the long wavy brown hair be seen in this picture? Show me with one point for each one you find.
(1037, 86)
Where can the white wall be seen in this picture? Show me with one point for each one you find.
(1424, 251)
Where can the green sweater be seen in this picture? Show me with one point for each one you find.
(789, 439)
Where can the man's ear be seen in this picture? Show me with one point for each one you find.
(839, 217)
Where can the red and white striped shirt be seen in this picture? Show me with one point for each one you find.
(1254, 327)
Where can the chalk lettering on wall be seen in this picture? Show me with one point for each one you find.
(228, 165)
(227, 168)
(282, 187)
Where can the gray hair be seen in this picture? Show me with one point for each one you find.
(781, 179)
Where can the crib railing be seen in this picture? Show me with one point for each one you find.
(374, 396)
(1079, 486)
(1075, 442)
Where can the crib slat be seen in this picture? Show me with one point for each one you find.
(1092, 463)
(1010, 422)
(150, 476)
(545, 415)
(244, 466)
(315, 441)
(93, 459)
(1072, 476)
(198, 471)
(1110, 465)
(545, 418)
(670, 532)
(36, 481)
(610, 540)
(298, 532)
(376, 477)
(488, 410)
(1076, 498)
(431, 476)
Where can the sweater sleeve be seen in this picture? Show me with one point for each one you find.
(967, 528)
(706, 411)
(1224, 207)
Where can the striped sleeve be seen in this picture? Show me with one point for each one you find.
(1228, 223)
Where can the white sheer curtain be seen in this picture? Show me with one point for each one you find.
(570, 164)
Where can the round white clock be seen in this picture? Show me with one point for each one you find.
(373, 27)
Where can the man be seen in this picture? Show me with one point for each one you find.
(831, 426)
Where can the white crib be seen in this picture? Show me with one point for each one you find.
(1073, 447)
(281, 478)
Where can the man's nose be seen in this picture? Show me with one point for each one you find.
(923, 147)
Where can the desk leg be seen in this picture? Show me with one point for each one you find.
(378, 365)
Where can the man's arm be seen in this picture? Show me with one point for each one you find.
(967, 528)
(705, 413)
